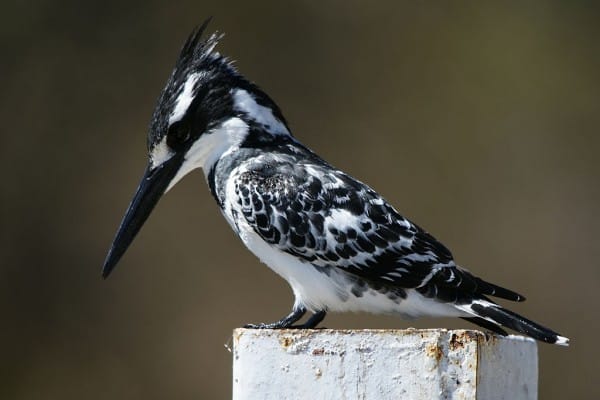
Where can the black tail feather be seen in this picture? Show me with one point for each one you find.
(517, 322)
(484, 323)
(490, 289)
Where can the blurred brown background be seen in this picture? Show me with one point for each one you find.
(478, 122)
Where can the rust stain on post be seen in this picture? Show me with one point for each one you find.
(460, 339)
(434, 351)
(318, 351)
(286, 341)
(237, 334)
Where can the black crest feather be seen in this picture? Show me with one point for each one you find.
(195, 50)
(196, 55)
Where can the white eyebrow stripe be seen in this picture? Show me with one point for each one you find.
(184, 99)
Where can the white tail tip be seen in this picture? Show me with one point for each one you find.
(562, 341)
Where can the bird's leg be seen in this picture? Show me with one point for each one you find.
(313, 321)
(285, 322)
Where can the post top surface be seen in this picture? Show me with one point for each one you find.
(461, 334)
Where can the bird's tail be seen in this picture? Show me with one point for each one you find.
(488, 315)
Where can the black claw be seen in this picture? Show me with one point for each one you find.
(285, 322)
(257, 326)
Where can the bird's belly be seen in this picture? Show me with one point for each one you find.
(312, 286)
(332, 289)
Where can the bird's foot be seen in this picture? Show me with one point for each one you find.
(312, 322)
(285, 322)
(262, 325)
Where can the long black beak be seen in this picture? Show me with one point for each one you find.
(152, 187)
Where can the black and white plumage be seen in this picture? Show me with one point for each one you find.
(336, 241)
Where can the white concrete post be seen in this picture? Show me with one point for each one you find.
(382, 364)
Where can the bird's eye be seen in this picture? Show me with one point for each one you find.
(178, 134)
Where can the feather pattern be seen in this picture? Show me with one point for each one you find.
(306, 208)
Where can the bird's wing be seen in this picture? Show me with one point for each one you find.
(328, 218)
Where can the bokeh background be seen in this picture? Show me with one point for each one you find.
(479, 122)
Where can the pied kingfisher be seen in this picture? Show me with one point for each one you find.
(337, 242)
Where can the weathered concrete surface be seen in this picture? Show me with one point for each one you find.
(382, 364)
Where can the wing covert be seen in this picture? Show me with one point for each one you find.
(329, 219)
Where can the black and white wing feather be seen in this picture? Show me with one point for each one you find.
(327, 218)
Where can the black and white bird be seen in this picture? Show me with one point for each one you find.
(337, 242)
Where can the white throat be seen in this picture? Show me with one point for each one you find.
(211, 146)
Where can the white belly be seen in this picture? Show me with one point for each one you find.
(316, 290)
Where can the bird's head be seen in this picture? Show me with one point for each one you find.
(206, 109)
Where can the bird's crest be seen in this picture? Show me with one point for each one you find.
(196, 65)
(195, 51)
